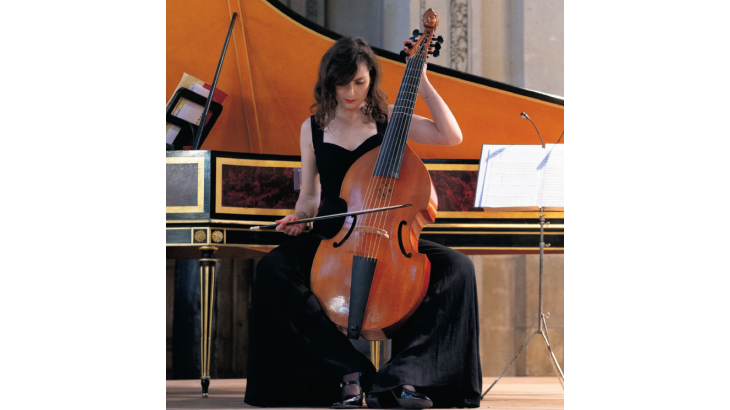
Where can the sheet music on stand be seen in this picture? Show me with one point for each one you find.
(520, 178)
(524, 178)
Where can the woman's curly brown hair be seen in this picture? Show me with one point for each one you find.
(338, 67)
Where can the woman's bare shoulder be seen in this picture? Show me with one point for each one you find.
(306, 130)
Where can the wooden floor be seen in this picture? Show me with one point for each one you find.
(509, 393)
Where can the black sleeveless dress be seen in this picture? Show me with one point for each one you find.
(297, 357)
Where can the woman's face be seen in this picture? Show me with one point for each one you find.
(352, 95)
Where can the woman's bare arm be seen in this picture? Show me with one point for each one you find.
(309, 190)
(443, 129)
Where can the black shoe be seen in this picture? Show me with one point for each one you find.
(409, 399)
(350, 401)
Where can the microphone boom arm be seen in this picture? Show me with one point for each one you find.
(524, 115)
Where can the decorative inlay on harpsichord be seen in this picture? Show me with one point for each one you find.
(213, 197)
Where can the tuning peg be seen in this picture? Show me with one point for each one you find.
(435, 53)
(440, 39)
(409, 45)
(416, 33)
(413, 39)
(436, 46)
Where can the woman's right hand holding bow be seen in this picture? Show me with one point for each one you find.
(292, 230)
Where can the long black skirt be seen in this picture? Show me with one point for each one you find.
(297, 356)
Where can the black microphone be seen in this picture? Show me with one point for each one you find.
(525, 116)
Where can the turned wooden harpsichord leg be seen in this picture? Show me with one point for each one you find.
(207, 290)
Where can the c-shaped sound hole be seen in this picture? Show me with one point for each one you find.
(352, 227)
(400, 240)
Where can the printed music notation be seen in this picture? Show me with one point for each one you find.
(551, 190)
(520, 176)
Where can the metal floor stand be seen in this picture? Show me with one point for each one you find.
(541, 325)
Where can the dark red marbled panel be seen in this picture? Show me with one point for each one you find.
(455, 190)
(182, 185)
(258, 187)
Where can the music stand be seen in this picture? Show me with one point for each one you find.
(188, 130)
(541, 327)
(482, 187)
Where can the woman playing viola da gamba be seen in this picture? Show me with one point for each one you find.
(297, 356)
